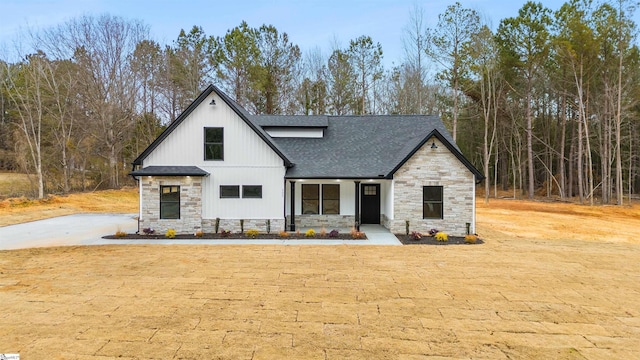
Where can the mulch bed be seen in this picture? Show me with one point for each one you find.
(232, 236)
(430, 240)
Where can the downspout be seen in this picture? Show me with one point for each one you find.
(139, 204)
(133, 168)
(473, 213)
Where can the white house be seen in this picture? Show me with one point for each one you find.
(218, 163)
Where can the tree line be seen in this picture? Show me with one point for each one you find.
(546, 104)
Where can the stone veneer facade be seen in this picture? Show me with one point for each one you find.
(190, 209)
(190, 204)
(233, 225)
(329, 222)
(433, 167)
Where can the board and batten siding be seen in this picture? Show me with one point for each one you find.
(248, 160)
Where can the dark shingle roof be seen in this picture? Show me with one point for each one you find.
(369, 146)
(362, 146)
(170, 171)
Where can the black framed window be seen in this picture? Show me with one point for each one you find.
(310, 198)
(229, 191)
(432, 202)
(170, 202)
(252, 191)
(331, 199)
(369, 190)
(213, 143)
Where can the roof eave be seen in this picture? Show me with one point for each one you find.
(133, 173)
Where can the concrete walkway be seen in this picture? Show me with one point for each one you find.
(88, 229)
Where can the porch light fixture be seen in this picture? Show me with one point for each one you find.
(434, 146)
(213, 102)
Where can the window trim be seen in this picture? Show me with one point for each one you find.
(213, 143)
(326, 199)
(162, 201)
(237, 187)
(440, 202)
(244, 195)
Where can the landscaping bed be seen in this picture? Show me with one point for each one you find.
(431, 240)
(240, 236)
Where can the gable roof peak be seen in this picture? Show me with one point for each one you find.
(239, 110)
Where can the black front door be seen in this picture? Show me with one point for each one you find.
(370, 204)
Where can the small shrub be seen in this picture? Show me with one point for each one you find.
(120, 233)
(225, 233)
(148, 231)
(415, 236)
(252, 233)
(470, 239)
(283, 234)
(170, 234)
(433, 232)
(310, 233)
(323, 232)
(442, 236)
(199, 233)
(357, 235)
(334, 233)
(298, 233)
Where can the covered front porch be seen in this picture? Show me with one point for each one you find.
(337, 203)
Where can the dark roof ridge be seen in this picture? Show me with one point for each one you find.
(381, 115)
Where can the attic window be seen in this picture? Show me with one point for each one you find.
(213, 143)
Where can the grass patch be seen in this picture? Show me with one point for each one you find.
(14, 185)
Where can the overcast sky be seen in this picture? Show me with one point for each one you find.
(309, 23)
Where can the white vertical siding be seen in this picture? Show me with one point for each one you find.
(386, 206)
(185, 145)
(248, 160)
(269, 207)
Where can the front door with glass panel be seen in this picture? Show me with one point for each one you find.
(370, 204)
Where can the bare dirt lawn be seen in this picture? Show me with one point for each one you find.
(556, 220)
(551, 281)
(21, 210)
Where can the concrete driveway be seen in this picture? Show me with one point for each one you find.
(88, 229)
(79, 229)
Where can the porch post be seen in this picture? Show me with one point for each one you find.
(357, 220)
(292, 225)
